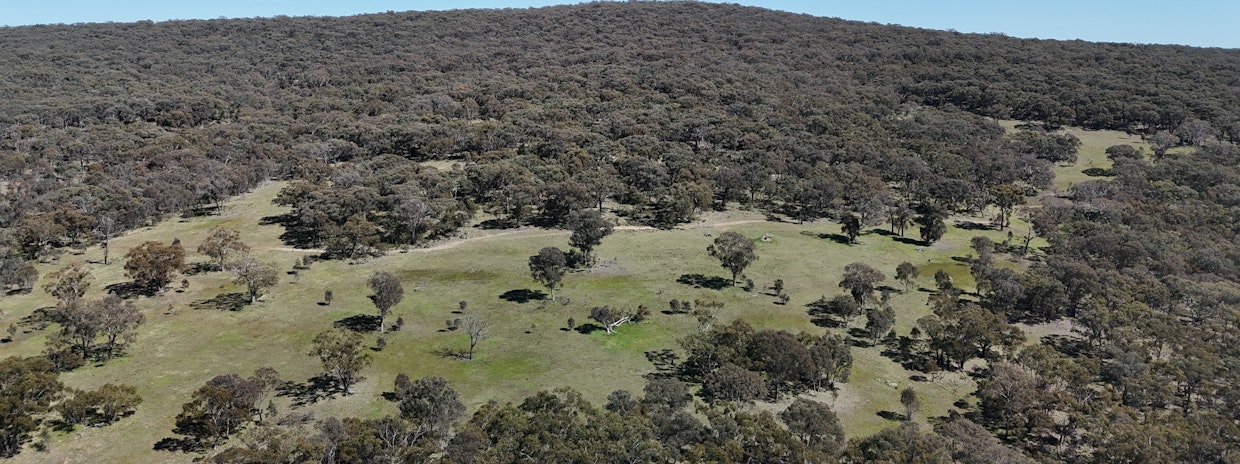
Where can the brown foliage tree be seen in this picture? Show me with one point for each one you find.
(152, 264)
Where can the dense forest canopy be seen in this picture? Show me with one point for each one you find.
(400, 128)
(681, 85)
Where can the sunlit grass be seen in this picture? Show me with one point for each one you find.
(181, 347)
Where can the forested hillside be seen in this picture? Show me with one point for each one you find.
(400, 129)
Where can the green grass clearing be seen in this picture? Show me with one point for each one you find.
(180, 347)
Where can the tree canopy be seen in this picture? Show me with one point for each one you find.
(734, 251)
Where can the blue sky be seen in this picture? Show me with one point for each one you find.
(1206, 23)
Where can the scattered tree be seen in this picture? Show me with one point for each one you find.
(610, 318)
(340, 352)
(833, 360)
(860, 280)
(266, 379)
(477, 329)
(942, 280)
(589, 227)
(851, 227)
(879, 321)
(79, 326)
(900, 216)
(103, 406)
(69, 283)
(218, 409)
(734, 251)
(386, 292)
(985, 249)
(105, 229)
(118, 320)
(255, 275)
(16, 271)
(223, 245)
(932, 227)
(905, 273)
(548, 267)
(908, 399)
(152, 264)
(1007, 197)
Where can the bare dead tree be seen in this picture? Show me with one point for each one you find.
(478, 329)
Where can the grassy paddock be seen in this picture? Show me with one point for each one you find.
(1092, 153)
(185, 342)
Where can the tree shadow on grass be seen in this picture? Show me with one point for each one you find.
(891, 415)
(701, 281)
(497, 224)
(361, 323)
(903, 352)
(1097, 172)
(201, 211)
(38, 318)
(970, 225)
(859, 338)
(293, 235)
(450, 353)
(821, 315)
(664, 363)
(223, 302)
(184, 445)
(59, 425)
(587, 329)
(201, 268)
(826, 321)
(309, 392)
(523, 295)
(837, 238)
(909, 241)
(129, 290)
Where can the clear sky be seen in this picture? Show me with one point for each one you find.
(1205, 23)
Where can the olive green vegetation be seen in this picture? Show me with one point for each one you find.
(186, 341)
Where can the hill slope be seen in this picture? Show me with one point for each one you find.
(389, 132)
